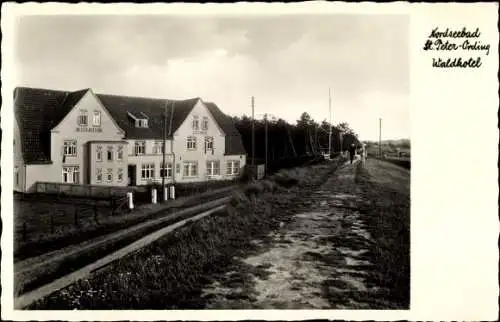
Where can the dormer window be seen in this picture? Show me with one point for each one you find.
(141, 123)
(139, 119)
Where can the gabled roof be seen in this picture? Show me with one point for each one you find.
(234, 144)
(37, 111)
(152, 108)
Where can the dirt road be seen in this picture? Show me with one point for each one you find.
(326, 256)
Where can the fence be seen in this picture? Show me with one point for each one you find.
(79, 190)
(404, 162)
(39, 218)
(142, 195)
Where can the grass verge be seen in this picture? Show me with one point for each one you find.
(74, 235)
(388, 221)
(38, 276)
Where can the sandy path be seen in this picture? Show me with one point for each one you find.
(317, 261)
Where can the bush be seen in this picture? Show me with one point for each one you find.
(238, 199)
(248, 174)
(284, 180)
(268, 185)
(254, 188)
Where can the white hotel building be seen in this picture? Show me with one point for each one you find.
(95, 139)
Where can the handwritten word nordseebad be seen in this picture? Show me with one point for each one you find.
(464, 33)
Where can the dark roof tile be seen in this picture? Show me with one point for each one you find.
(154, 110)
(37, 111)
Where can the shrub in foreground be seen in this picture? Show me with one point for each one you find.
(254, 188)
(268, 185)
(239, 199)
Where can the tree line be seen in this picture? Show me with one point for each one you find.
(290, 141)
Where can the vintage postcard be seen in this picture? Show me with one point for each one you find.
(291, 161)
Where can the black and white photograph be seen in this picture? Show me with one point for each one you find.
(177, 161)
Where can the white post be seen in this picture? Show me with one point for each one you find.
(153, 196)
(172, 192)
(130, 196)
(165, 193)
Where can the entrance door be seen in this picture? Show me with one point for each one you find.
(132, 172)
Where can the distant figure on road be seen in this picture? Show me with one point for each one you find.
(352, 151)
(363, 153)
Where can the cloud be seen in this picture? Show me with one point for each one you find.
(287, 62)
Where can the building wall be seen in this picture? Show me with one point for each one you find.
(19, 166)
(69, 129)
(149, 148)
(157, 160)
(240, 158)
(104, 165)
(183, 154)
(42, 173)
(149, 158)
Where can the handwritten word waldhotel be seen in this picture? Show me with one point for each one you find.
(86, 138)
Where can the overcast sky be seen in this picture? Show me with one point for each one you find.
(286, 62)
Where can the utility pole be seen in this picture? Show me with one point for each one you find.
(330, 123)
(253, 134)
(164, 148)
(380, 137)
(265, 124)
(171, 141)
(341, 139)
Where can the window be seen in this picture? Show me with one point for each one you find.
(166, 171)
(120, 175)
(98, 178)
(70, 148)
(190, 169)
(98, 156)
(109, 175)
(119, 153)
(204, 125)
(148, 171)
(96, 119)
(191, 143)
(209, 143)
(158, 147)
(140, 147)
(141, 123)
(196, 123)
(110, 153)
(82, 118)
(140, 119)
(71, 174)
(178, 168)
(213, 168)
(233, 168)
